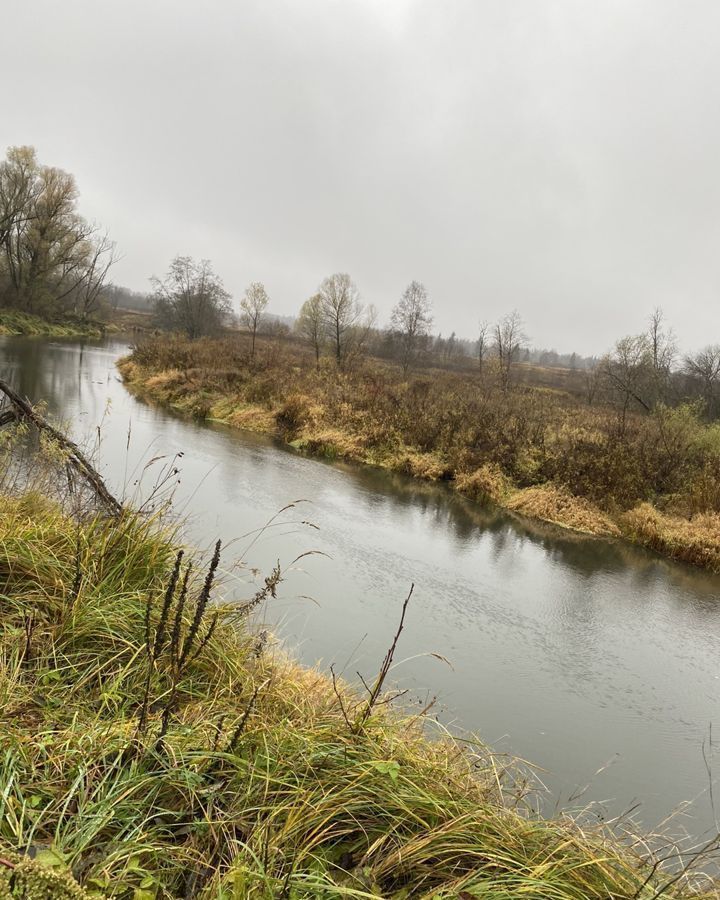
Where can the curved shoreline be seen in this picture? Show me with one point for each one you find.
(669, 536)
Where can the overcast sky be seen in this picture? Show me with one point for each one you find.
(561, 157)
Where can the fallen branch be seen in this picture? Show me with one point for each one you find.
(22, 411)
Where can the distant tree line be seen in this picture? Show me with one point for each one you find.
(118, 298)
(641, 372)
(52, 260)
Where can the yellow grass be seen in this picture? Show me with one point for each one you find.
(486, 484)
(695, 540)
(556, 505)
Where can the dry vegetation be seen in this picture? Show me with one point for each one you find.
(653, 478)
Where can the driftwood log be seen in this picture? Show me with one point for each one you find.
(22, 411)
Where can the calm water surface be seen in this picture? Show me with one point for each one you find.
(576, 654)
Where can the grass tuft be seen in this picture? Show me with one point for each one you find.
(554, 504)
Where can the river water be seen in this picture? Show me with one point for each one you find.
(577, 654)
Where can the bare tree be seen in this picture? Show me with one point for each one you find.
(342, 312)
(705, 367)
(411, 320)
(627, 372)
(663, 350)
(481, 345)
(662, 342)
(451, 348)
(359, 335)
(90, 290)
(190, 298)
(592, 379)
(253, 305)
(310, 324)
(509, 337)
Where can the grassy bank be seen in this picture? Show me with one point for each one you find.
(233, 772)
(20, 323)
(654, 480)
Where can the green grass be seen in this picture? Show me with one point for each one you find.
(15, 322)
(259, 789)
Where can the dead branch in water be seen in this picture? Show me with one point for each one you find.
(21, 411)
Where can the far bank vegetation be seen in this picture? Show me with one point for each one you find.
(624, 445)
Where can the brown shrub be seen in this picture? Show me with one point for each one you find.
(423, 465)
(293, 415)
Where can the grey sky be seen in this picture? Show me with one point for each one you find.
(558, 156)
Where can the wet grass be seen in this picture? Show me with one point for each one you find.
(154, 748)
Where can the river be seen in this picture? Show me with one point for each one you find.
(577, 654)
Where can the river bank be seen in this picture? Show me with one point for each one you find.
(14, 322)
(121, 321)
(305, 411)
(268, 780)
